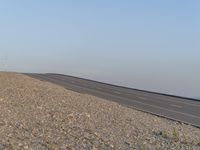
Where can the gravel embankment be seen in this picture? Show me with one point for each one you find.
(40, 115)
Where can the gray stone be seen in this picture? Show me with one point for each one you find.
(1, 147)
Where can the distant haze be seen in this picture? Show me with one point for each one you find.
(151, 45)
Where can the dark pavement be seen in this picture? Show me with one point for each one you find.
(177, 108)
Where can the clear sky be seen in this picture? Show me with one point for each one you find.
(146, 44)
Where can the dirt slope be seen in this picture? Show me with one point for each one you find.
(41, 115)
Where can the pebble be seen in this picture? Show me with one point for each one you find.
(138, 147)
(1, 147)
(2, 123)
(26, 147)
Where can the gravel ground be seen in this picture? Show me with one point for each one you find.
(40, 115)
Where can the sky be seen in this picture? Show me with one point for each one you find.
(150, 45)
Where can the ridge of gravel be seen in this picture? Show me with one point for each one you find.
(40, 115)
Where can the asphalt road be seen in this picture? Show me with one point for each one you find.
(172, 107)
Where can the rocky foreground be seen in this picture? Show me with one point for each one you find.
(39, 115)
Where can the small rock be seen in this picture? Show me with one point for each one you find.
(1, 147)
(17, 124)
(138, 147)
(2, 123)
(88, 115)
(112, 146)
(26, 147)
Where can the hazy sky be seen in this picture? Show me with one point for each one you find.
(145, 44)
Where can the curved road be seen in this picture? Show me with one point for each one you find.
(172, 107)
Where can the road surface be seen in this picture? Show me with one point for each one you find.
(172, 107)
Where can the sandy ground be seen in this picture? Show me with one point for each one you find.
(40, 115)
